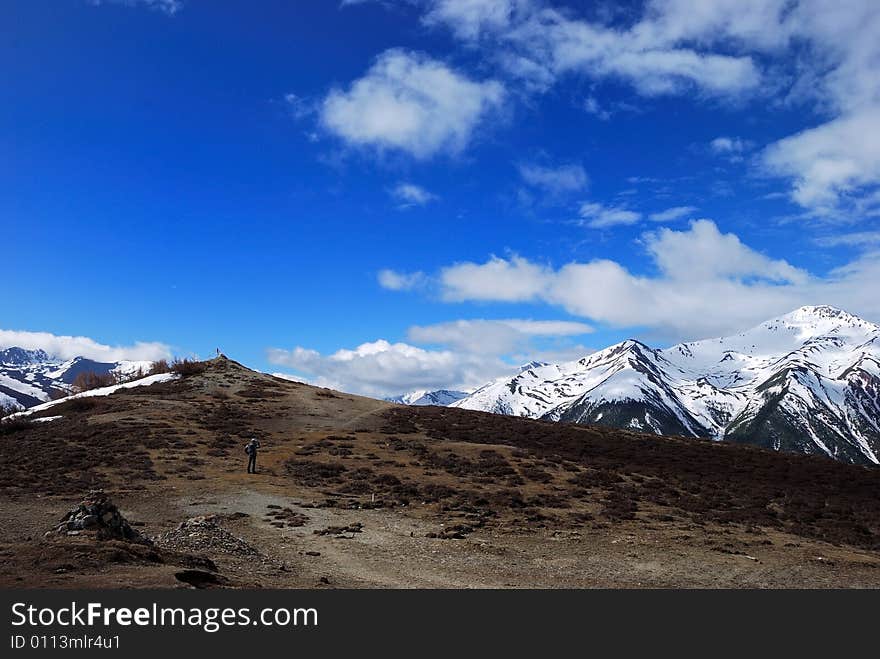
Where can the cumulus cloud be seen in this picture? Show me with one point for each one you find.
(67, 347)
(381, 368)
(832, 162)
(555, 180)
(400, 281)
(704, 252)
(835, 166)
(599, 216)
(706, 283)
(411, 103)
(672, 214)
(504, 280)
(464, 354)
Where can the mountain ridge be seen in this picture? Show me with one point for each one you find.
(31, 377)
(807, 381)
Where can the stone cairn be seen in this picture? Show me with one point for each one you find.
(97, 515)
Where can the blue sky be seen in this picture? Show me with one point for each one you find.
(385, 196)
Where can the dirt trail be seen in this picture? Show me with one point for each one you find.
(352, 423)
(350, 560)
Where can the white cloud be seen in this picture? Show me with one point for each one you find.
(707, 283)
(469, 18)
(730, 148)
(592, 106)
(855, 239)
(555, 180)
(466, 354)
(67, 347)
(649, 55)
(836, 161)
(381, 368)
(493, 337)
(412, 103)
(805, 51)
(409, 195)
(728, 145)
(672, 214)
(835, 167)
(400, 281)
(169, 7)
(599, 216)
(703, 252)
(498, 279)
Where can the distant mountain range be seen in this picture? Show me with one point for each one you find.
(807, 382)
(31, 377)
(442, 397)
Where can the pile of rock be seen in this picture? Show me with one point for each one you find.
(96, 515)
(204, 534)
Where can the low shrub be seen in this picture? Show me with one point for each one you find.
(161, 366)
(188, 367)
(88, 380)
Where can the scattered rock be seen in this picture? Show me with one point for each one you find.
(455, 532)
(340, 531)
(286, 517)
(204, 534)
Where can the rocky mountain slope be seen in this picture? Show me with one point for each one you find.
(806, 382)
(31, 377)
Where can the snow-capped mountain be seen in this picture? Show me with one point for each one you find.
(445, 397)
(441, 397)
(808, 381)
(31, 377)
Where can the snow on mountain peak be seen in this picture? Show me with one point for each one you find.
(29, 377)
(15, 356)
(823, 316)
(528, 366)
(809, 379)
(441, 397)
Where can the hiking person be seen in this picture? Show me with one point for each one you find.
(251, 449)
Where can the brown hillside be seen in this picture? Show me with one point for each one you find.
(356, 492)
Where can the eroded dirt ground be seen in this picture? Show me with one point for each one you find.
(353, 492)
